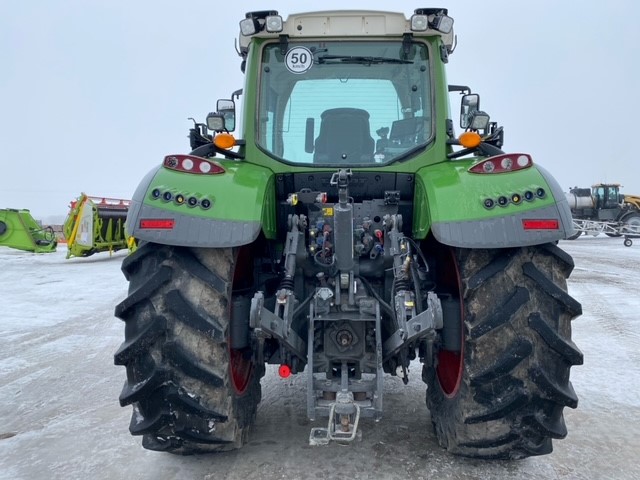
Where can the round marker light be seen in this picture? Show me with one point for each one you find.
(192, 202)
(224, 141)
(206, 203)
(179, 199)
(470, 139)
(528, 195)
(155, 193)
(488, 167)
(503, 201)
(489, 203)
(541, 193)
(284, 371)
(205, 167)
(523, 161)
(167, 196)
(506, 163)
(187, 164)
(516, 199)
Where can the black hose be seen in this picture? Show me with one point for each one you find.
(415, 245)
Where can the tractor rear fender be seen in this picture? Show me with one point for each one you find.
(198, 210)
(468, 210)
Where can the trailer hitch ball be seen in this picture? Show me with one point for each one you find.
(344, 338)
(344, 423)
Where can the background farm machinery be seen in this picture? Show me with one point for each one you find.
(95, 224)
(18, 229)
(603, 209)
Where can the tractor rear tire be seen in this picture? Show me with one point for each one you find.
(190, 392)
(503, 396)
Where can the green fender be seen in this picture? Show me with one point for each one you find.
(450, 202)
(226, 210)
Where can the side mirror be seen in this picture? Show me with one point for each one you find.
(469, 104)
(227, 108)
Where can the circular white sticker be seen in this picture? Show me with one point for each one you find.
(299, 60)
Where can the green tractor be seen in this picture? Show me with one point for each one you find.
(19, 230)
(344, 232)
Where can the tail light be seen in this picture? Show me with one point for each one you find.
(192, 164)
(503, 163)
(541, 224)
(157, 223)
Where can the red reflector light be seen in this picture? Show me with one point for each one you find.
(509, 162)
(284, 371)
(158, 223)
(546, 224)
(192, 164)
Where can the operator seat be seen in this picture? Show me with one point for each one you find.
(344, 136)
(408, 131)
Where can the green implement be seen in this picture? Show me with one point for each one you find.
(95, 224)
(18, 229)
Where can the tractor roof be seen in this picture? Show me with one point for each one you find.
(348, 23)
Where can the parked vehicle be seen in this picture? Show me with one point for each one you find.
(306, 242)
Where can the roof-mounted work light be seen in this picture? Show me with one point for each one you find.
(419, 23)
(273, 23)
(440, 21)
(249, 26)
(257, 21)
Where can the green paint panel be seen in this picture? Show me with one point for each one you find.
(447, 192)
(245, 192)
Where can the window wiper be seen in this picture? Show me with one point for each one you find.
(335, 59)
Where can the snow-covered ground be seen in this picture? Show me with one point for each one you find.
(60, 418)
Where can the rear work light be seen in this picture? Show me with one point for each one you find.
(503, 163)
(192, 164)
(157, 223)
(541, 224)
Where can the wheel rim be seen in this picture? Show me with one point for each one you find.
(240, 360)
(451, 363)
(241, 370)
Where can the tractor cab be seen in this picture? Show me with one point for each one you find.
(606, 195)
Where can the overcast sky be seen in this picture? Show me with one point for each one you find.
(94, 93)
